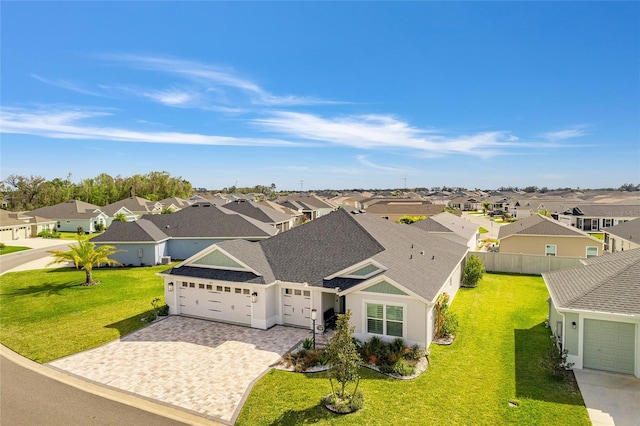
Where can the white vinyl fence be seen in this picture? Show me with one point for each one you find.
(529, 264)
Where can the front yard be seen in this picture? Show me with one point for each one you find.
(495, 359)
(46, 314)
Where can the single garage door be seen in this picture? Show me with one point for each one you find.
(220, 303)
(609, 346)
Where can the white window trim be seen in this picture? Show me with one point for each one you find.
(365, 330)
(555, 250)
(587, 251)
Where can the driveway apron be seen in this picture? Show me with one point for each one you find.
(201, 366)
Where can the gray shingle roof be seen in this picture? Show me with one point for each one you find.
(539, 225)
(420, 261)
(627, 230)
(134, 204)
(141, 230)
(609, 210)
(610, 284)
(447, 222)
(257, 211)
(72, 209)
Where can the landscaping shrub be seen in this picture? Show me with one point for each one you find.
(307, 343)
(346, 405)
(473, 271)
(556, 361)
(48, 234)
(403, 368)
(163, 310)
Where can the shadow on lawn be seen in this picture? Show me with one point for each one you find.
(44, 289)
(129, 325)
(532, 380)
(307, 416)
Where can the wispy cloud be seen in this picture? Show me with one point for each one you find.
(72, 124)
(575, 132)
(384, 131)
(362, 159)
(67, 85)
(212, 75)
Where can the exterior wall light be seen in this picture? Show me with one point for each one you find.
(573, 325)
(170, 287)
(254, 297)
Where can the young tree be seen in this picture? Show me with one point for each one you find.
(85, 255)
(344, 357)
(120, 217)
(473, 271)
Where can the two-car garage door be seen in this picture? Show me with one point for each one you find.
(609, 346)
(222, 303)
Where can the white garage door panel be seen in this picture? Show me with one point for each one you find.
(227, 306)
(609, 346)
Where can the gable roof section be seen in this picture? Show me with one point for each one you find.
(609, 284)
(539, 225)
(627, 230)
(141, 230)
(607, 210)
(205, 220)
(447, 222)
(257, 211)
(72, 209)
(134, 204)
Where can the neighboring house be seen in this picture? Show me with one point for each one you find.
(396, 209)
(594, 311)
(174, 203)
(296, 215)
(73, 214)
(623, 236)
(451, 227)
(281, 221)
(597, 217)
(15, 226)
(311, 206)
(540, 235)
(113, 210)
(137, 205)
(153, 239)
(465, 203)
(388, 275)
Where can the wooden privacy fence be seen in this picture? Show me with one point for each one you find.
(530, 264)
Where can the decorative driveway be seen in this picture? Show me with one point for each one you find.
(200, 366)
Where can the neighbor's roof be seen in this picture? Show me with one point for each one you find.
(141, 230)
(257, 211)
(447, 222)
(539, 225)
(607, 210)
(629, 231)
(134, 204)
(609, 283)
(72, 209)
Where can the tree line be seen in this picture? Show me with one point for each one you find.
(32, 192)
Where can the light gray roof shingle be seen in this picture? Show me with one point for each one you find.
(629, 231)
(141, 230)
(610, 283)
(257, 211)
(538, 225)
(447, 222)
(72, 209)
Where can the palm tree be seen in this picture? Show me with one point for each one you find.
(85, 256)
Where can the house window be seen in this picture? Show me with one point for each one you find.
(385, 319)
(607, 222)
(592, 251)
(550, 250)
(297, 292)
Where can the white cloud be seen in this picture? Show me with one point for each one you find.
(171, 97)
(365, 162)
(384, 131)
(565, 134)
(70, 124)
(219, 77)
(65, 84)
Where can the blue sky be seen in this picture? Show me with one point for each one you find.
(336, 95)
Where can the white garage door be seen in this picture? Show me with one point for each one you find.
(609, 346)
(296, 307)
(220, 303)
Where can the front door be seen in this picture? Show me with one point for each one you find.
(296, 307)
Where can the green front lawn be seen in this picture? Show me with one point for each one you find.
(495, 358)
(12, 249)
(46, 314)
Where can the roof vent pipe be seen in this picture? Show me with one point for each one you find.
(433, 257)
(422, 252)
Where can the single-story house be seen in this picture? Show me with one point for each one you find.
(175, 203)
(158, 238)
(451, 227)
(623, 236)
(310, 205)
(113, 210)
(396, 209)
(540, 235)
(389, 276)
(16, 226)
(594, 311)
(73, 214)
(136, 205)
(258, 211)
(597, 217)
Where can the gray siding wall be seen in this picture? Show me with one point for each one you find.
(151, 253)
(185, 248)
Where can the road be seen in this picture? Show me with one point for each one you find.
(485, 222)
(30, 398)
(10, 261)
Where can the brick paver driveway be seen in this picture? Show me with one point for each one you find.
(200, 366)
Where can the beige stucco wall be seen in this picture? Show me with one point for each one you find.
(534, 244)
